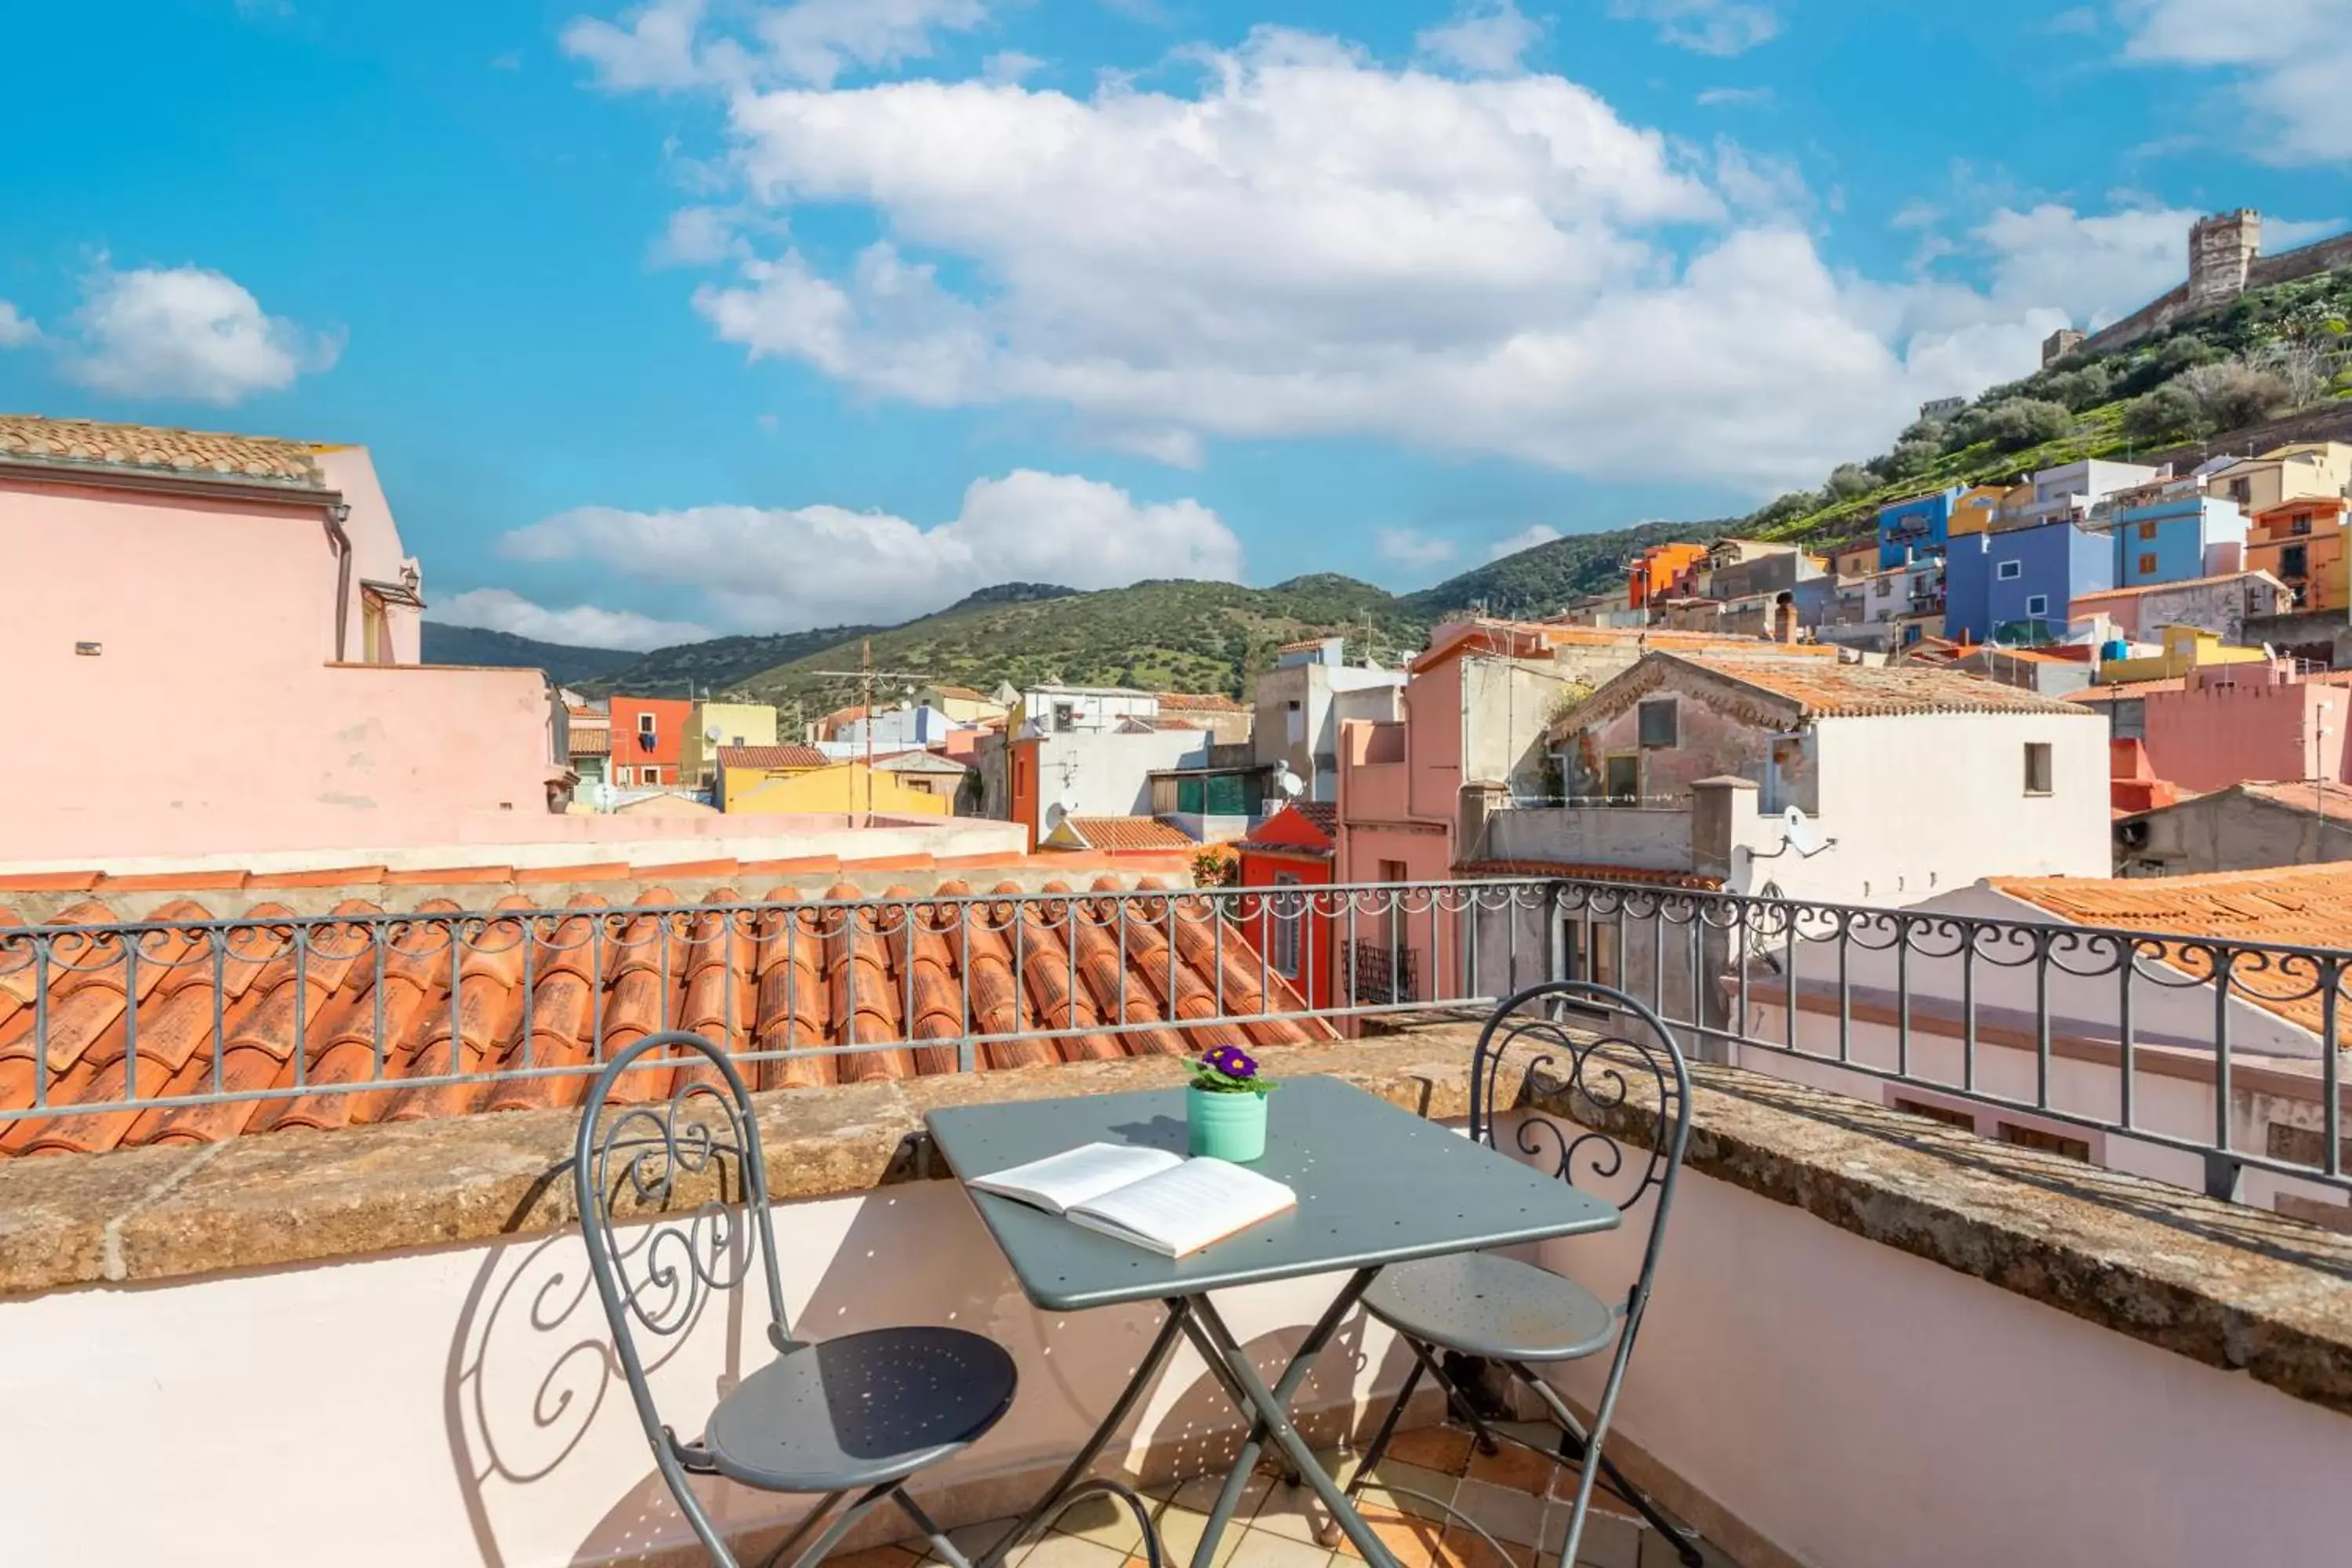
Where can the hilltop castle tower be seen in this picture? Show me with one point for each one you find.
(2222, 251)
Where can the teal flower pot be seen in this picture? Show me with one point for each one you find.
(1225, 1126)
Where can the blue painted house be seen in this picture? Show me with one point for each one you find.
(2176, 538)
(2015, 586)
(1910, 530)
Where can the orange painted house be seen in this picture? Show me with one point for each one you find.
(1657, 570)
(1294, 849)
(648, 740)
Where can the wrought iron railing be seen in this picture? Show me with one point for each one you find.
(2195, 1058)
(366, 1016)
(2123, 1041)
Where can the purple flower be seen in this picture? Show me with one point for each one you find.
(1232, 1061)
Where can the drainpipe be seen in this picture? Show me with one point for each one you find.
(337, 515)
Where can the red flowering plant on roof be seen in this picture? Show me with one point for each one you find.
(1228, 1070)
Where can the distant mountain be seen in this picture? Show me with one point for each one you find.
(566, 665)
(721, 665)
(1545, 579)
(1169, 636)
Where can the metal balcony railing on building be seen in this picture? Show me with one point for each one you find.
(2045, 1031)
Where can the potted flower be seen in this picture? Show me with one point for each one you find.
(1225, 1107)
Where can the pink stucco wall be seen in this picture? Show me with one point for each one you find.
(211, 717)
(2244, 722)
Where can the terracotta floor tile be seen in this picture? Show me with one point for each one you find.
(1520, 1470)
(1200, 1494)
(878, 1557)
(1395, 1474)
(1105, 1520)
(1411, 1542)
(1442, 1448)
(1058, 1551)
(1501, 1513)
(1294, 1512)
(1459, 1548)
(1260, 1549)
(1180, 1536)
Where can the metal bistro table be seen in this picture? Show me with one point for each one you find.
(1376, 1185)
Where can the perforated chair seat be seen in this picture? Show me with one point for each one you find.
(859, 1410)
(1482, 1304)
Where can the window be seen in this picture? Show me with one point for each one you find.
(2242, 490)
(2147, 565)
(1885, 585)
(2050, 1143)
(2037, 604)
(710, 777)
(2128, 719)
(1621, 779)
(624, 776)
(1066, 718)
(1657, 719)
(2148, 531)
(1950, 1115)
(1590, 949)
(2294, 561)
(2300, 525)
(2010, 571)
(644, 723)
(1289, 917)
(2037, 767)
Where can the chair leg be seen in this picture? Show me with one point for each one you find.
(1457, 1400)
(833, 1531)
(1576, 1446)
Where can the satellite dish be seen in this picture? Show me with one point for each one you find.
(1802, 835)
(1288, 782)
(711, 734)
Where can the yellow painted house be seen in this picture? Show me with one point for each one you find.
(961, 703)
(723, 724)
(835, 787)
(2185, 649)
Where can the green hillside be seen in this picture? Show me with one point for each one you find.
(720, 665)
(2273, 353)
(504, 651)
(1540, 581)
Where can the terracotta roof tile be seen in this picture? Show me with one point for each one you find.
(148, 448)
(1120, 833)
(2306, 906)
(1861, 691)
(791, 755)
(523, 986)
(1323, 814)
(2330, 800)
(2169, 587)
(959, 693)
(591, 741)
(1202, 701)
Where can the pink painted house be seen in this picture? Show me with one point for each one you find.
(2232, 722)
(212, 642)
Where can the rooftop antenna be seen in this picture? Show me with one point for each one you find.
(866, 675)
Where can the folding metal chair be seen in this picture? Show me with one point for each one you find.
(857, 1414)
(1519, 1316)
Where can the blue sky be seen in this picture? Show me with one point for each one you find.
(751, 315)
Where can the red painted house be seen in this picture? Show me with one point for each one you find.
(1295, 848)
(648, 740)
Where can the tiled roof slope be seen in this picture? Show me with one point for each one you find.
(536, 992)
(1204, 701)
(2303, 906)
(2333, 801)
(1121, 833)
(1822, 690)
(1323, 814)
(793, 754)
(147, 448)
(592, 741)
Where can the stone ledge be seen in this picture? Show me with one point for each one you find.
(2233, 1286)
(2225, 1285)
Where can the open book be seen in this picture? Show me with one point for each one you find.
(1146, 1197)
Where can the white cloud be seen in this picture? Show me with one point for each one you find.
(662, 45)
(17, 329)
(2287, 60)
(186, 332)
(1410, 547)
(1528, 537)
(697, 236)
(1487, 36)
(1306, 243)
(1735, 96)
(1010, 65)
(1708, 27)
(581, 625)
(758, 568)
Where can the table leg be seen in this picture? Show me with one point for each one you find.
(1271, 1408)
(1178, 1314)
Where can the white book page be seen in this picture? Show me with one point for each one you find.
(1060, 1181)
(1182, 1210)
